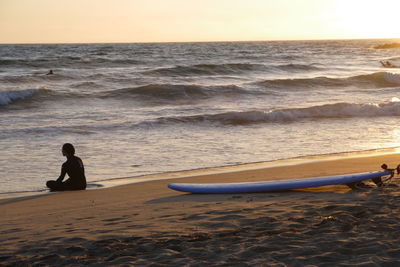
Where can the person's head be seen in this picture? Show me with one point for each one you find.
(68, 150)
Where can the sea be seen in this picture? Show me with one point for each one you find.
(134, 109)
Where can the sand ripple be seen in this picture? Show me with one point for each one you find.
(280, 229)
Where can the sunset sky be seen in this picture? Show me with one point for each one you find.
(81, 21)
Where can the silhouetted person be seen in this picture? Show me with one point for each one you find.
(50, 72)
(75, 170)
(388, 64)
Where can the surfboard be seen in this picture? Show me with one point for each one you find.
(277, 185)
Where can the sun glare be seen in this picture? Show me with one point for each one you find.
(367, 19)
(41, 21)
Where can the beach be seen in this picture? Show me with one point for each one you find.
(245, 94)
(142, 115)
(147, 224)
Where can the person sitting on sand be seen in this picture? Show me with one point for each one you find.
(75, 170)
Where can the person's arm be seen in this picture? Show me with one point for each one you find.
(62, 175)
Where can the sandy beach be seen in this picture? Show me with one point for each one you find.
(146, 224)
(123, 98)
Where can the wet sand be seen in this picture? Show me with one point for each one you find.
(148, 224)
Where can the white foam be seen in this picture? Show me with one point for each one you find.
(6, 97)
(392, 77)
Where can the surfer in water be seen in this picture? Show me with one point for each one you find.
(75, 170)
(50, 72)
(388, 64)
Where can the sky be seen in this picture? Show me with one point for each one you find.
(105, 21)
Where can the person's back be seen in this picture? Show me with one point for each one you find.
(75, 170)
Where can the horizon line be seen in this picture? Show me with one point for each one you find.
(218, 41)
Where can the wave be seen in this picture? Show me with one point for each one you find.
(207, 69)
(232, 118)
(8, 97)
(374, 80)
(387, 46)
(176, 91)
(328, 111)
(29, 96)
(298, 67)
(151, 93)
(226, 69)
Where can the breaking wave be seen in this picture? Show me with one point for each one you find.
(233, 118)
(7, 97)
(329, 111)
(374, 80)
(40, 95)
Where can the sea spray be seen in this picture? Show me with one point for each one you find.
(7, 97)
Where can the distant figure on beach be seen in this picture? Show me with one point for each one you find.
(75, 170)
(50, 72)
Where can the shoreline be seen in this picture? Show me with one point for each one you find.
(249, 166)
(146, 223)
(99, 184)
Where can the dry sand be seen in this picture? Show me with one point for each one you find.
(147, 224)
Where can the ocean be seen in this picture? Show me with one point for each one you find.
(137, 109)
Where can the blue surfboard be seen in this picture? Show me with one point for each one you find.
(278, 185)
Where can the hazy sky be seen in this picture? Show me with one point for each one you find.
(64, 21)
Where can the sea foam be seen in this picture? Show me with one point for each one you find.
(7, 97)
